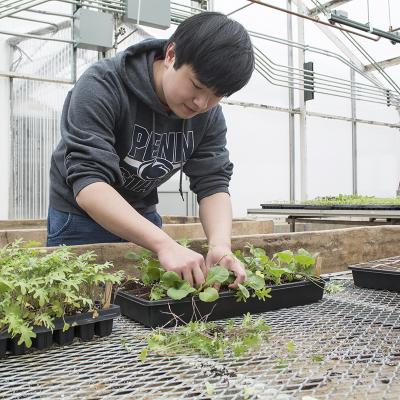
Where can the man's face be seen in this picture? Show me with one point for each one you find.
(183, 93)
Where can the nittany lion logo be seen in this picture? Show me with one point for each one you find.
(153, 156)
(154, 169)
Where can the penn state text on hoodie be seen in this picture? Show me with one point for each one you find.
(114, 129)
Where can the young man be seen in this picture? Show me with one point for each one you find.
(134, 120)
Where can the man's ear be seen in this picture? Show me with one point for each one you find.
(169, 55)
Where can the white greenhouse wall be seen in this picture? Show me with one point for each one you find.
(258, 138)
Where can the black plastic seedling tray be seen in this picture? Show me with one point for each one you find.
(282, 206)
(158, 313)
(82, 326)
(376, 276)
(333, 206)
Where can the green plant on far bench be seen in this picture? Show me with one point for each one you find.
(353, 199)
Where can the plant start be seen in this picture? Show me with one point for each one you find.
(208, 339)
(36, 287)
(155, 283)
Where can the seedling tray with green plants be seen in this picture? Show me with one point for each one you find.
(379, 274)
(52, 297)
(83, 326)
(160, 298)
(342, 202)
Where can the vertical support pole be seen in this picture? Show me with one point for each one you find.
(74, 49)
(353, 132)
(206, 6)
(11, 181)
(302, 108)
(74, 63)
(292, 223)
(292, 155)
(5, 130)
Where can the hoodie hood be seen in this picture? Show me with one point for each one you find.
(135, 66)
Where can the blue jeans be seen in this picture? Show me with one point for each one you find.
(72, 229)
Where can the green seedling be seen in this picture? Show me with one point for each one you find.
(36, 287)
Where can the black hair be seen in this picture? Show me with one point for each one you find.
(218, 49)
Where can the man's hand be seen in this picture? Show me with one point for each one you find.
(223, 256)
(188, 264)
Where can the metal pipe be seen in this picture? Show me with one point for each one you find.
(11, 4)
(17, 75)
(238, 9)
(292, 150)
(35, 20)
(312, 19)
(186, 6)
(268, 77)
(14, 41)
(363, 27)
(33, 4)
(262, 62)
(373, 62)
(51, 13)
(329, 4)
(97, 5)
(312, 49)
(354, 138)
(27, 35)
(302, 115)
(308, 113)
(336, 82)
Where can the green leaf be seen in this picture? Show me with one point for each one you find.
(178, 293)
(143, 354)
(284, 256)
(157, 292)
(209, 388)
(130, 255)
(26, 335)
(170, 279)
(32, 243)
(291, 346)
(150, 274)
(254, 281)
(44, 319)
(209, 295)
(304, 260)
(263, 294)
(184, 242)
(317, 358)
(5, 285)
(242, 294)
(216, 274)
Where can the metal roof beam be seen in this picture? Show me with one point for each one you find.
(343, 48)
(330, 5)
(390, 62)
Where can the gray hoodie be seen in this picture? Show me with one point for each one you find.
(114, 129)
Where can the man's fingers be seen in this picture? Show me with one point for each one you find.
(198, 276)
(187, 275)
(204, 269)
(217, 286)
(240, 275)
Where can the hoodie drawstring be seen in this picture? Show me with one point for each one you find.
(181, 171)
(182, 138)
(154, 131)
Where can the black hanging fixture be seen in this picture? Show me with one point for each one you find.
(341, 18)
